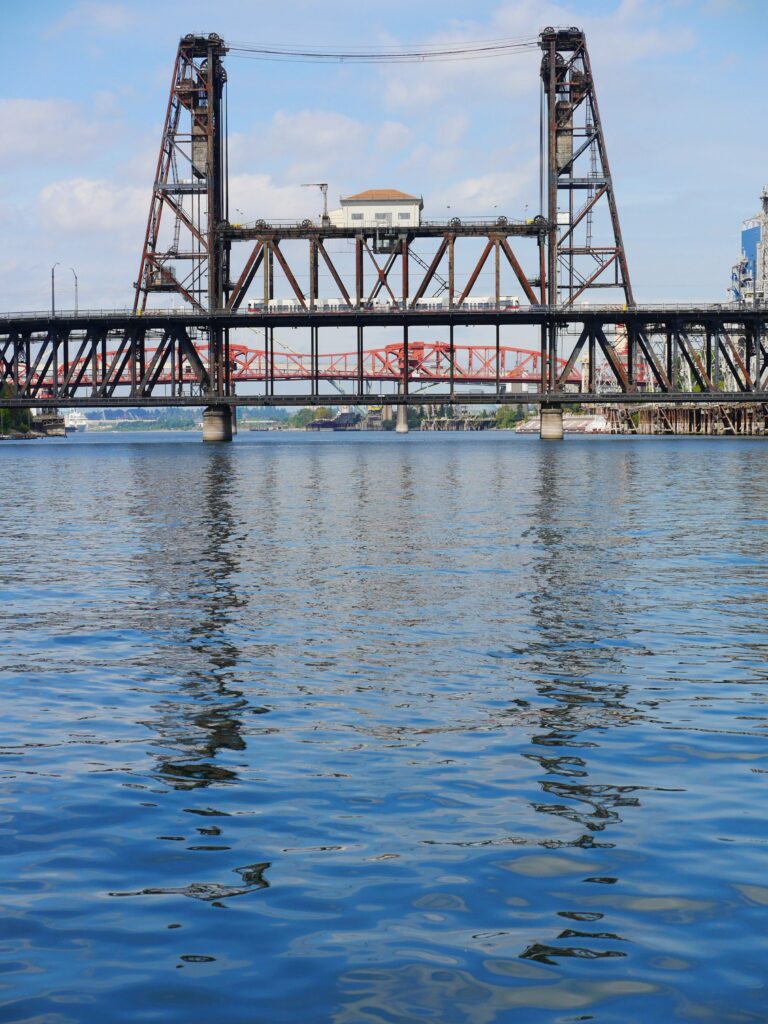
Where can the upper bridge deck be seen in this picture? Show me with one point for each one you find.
(293, 314)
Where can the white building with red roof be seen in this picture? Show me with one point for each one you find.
(386, 208)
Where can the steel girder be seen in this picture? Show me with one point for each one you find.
(691, 355)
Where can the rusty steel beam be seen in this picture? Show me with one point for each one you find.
(464, 229)
(334, 273)
(586, 209)
(691, 356)
(117, 365)
(71, 372)
(405, 249)
(159, 358)
(575, 353)
(739, 361)
(613, 360)
(382, 275)
(657, 369)
(519, 274)
(475, 273)
(359, 271)
(430, 272)
(247, 275)
(592, 278)
(275, 247)
(185, 294)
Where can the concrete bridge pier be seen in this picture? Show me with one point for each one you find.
(217, 423)
(551, 428)
(401, 426)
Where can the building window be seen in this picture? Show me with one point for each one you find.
(403, 216)
(357, 216)
(382, 216)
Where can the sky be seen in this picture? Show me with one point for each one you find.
(86, 83)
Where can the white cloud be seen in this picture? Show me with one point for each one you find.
(257, 195)
(46, 128)
(489, 194)
(632, 33)
(305, 145)
(452, 128)
(393, 135)
(315, 131)
(82, 204)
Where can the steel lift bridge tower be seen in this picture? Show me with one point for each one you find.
(189, 238)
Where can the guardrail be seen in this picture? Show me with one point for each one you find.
(578, 309)
(459, 222)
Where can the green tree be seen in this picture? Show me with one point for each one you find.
(14, 421)
(508, 416)
(415, 414)
(307, 414)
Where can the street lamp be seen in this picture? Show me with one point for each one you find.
(75, 277)
(53, 289)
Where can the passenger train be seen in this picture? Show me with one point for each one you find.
(427, 305)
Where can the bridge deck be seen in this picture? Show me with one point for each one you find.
(608, 354)
(115, 319)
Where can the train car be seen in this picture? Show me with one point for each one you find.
(433, 303)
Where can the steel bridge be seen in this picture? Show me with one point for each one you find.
(676, 353)
(553, 345)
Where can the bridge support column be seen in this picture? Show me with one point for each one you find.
(401, 427)
(217, 423)
(551, 423)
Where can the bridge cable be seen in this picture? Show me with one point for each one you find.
(405, 55)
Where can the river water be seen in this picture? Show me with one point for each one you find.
(364, 728)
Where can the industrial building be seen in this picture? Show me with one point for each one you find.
(378, 208)
(749, 278)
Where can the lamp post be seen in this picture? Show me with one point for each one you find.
(75, 277)
(53, 289)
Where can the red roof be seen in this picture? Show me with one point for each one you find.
(379, 194)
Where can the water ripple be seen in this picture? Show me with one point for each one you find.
(372, 729)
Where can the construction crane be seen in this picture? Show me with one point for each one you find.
(323, 186)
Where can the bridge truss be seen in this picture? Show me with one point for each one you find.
(676, 355)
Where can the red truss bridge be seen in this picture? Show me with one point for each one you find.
(428, 362)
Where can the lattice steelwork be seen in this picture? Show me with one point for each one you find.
(182, 255)
(585, 247)
(698, 354)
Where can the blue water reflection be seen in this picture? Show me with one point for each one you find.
(375, 729)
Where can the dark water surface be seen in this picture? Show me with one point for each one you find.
(378, 729)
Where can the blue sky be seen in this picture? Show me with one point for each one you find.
(85, 87)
